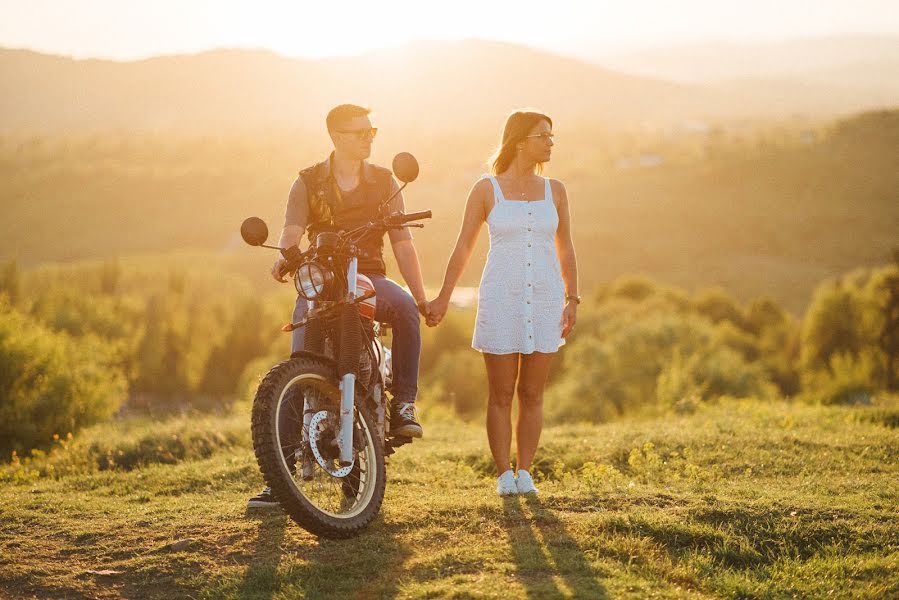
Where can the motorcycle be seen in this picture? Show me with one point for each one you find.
(321, 419)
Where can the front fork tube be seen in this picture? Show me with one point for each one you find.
(380, 416)
(308, 413)
(347, 399)
(348, 384)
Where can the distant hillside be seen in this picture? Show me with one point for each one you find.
(817, 76)
(769, 216)
(863, 58)
(423, 86)
(442, 84)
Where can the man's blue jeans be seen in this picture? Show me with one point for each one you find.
(397, 307)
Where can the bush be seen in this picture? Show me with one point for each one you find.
(51, 383)
(717, 305)
(250, 338)
(452, 335)
(832, 325)
(851, 325)
(710, 373)
(132, 444)
(644, 361)
(459, 380)
(848, 380)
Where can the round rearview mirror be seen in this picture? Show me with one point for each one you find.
(405, 167)
(254, 231)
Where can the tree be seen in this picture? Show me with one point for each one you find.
(249, 338)
(11, 280)
(51, 383)
(888, 339)
(832, 325)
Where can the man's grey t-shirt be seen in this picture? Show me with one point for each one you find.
(297, 212)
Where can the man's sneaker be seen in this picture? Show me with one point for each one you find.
(264, 499)
(403, 422)
(505, 484)
(525, 483)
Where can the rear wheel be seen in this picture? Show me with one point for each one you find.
(300, 463)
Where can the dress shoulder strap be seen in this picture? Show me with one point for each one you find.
(547, 190)
(497, 192)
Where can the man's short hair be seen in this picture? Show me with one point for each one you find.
(343, 113)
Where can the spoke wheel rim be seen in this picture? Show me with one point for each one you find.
(337, 497)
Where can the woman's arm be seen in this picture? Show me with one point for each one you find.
(567, 258)
(472, 220)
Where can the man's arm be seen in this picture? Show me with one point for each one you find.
(296, 216)
(404, 249)
(410, 268)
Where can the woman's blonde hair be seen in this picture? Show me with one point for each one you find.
(518, 125)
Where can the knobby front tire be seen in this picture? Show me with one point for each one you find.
(326, 506)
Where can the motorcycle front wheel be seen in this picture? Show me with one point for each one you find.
(298, 456)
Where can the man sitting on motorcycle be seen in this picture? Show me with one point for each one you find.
(344, 192)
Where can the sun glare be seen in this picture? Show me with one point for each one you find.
(313, 32)
(130, 30)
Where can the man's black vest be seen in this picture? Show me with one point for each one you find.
(330, 210)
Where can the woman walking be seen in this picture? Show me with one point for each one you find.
(527, 300)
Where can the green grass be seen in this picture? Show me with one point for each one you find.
(738, 500)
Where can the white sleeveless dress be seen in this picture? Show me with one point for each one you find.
(522, 295)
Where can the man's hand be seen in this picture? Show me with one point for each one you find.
(276, 269)
(424, 307)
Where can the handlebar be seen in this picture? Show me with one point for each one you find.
(424, 214)
(294, 257)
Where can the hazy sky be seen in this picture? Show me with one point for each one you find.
(127, 29)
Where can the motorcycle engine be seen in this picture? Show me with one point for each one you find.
(365, 367)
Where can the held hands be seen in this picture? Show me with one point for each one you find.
(569, 318)
(423, 307)
(437, 310)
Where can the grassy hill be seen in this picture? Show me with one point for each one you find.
(758, 212)
(740, 499)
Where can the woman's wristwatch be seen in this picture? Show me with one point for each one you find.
(575, 297)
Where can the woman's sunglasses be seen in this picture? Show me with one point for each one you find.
(546, 137)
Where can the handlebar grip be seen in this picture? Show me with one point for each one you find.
(424, 214)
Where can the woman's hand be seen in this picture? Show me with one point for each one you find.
(569, 317)
(437, 310)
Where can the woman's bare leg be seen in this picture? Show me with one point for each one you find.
(502, 370)
(531, 381)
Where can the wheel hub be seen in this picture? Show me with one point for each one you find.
(318, 436)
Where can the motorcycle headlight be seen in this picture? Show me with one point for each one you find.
(311, 280)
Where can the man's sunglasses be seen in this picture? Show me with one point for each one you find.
(361, 134)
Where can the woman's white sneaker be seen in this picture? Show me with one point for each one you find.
(505, 484)
(525, 484)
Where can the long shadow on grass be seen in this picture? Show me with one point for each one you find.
(363, 567)
(261, 579)
(552, 565)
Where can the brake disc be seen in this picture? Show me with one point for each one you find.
(315, 436)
